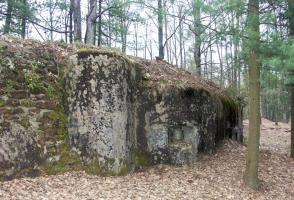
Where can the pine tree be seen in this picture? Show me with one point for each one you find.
(251, 172)
(291, 70)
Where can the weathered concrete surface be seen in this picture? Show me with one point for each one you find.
(18, 151)
(117, 116)
(170, 116)
(101, 90)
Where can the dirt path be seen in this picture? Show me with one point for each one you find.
(215, 177)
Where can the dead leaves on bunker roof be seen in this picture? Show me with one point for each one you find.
(25, 53)
(159, 71)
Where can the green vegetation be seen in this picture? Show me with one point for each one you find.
(142, 158)
(68, 161)
(25, 123)
(82, 53)
(2, 103)
(33, 81)
(27, 103)
(11, 86)
(50, 91)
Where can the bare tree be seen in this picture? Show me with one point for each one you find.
(160, 29)
(91, 23)
(77, 18)
(197, 34)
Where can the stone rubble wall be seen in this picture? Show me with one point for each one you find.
(32, 121)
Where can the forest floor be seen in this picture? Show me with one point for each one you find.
(214, 177)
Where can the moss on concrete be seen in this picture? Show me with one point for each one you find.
(27, 103)
(96, 168)
(84, 53)
(142, 158)
(2, 103)
(25, 123)
(69, 161)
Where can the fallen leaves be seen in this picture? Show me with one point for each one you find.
(218, 176)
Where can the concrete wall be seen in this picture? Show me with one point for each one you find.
(101, 92)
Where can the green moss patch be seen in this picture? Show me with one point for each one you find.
(25, 123)
(2, 103)
(27, 103)
(84, 53)
(69, 161)
(96, 168)
(142, 158)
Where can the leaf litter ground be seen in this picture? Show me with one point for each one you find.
(213, 177)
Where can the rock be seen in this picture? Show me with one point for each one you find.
(47, 104)
(18, 150)
(38, 96)
(20, 94)
(17, 111)
(181, 153)
(13, 102)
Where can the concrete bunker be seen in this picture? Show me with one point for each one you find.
(103, 112)
(118, 106)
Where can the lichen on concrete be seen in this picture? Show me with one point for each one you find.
(100, 89)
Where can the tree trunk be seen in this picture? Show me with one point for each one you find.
(166, 36)
(124, 32)
(291, 26)
(181, 37)
(51, 19)
(205, 71)
(236, 58)
(251, 172)
(100, 25)
(160, 29)
(146, 41)
(210, 51)
(175, 44)
(91, 23)
(228, 69)
(77, 18)
(23, 28)
(151, 52)
(292, 122)
(220, 57)
(24, 20)
(184, 50)
(70, 22)
(136, 39)
(8, 17)
(197, 32)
